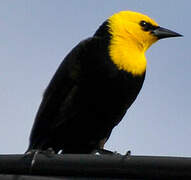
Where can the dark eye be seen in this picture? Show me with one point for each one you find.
(143, 23)
(147, 26)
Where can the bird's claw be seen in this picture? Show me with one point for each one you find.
(128, 153)
(104, 152)
(34, 153)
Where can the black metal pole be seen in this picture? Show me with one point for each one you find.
(134, 167)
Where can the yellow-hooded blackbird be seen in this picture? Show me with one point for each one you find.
(95, 85)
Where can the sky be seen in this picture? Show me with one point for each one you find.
(35, 36)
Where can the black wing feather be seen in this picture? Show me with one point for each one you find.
(57, 98)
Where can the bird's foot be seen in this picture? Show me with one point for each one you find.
(128, 153)
(46, 152)
(107, 152)
(34, 153)
(104, 152)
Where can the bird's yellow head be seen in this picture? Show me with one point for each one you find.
(132, 33)
(129, 25)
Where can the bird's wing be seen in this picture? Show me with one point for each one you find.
(61, 91)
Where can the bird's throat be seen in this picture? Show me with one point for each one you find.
(127, 56)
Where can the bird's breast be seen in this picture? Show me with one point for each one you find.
(110, 96)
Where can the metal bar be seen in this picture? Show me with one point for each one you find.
(134, 167)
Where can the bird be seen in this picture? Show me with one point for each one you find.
(95, 85)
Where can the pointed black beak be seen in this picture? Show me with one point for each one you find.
(161, 33)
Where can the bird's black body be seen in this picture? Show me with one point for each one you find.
(86, 98)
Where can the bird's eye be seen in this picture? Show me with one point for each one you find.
(146, 26)
(143, 23)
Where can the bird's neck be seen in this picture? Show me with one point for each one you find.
(128, 55)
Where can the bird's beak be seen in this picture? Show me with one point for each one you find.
(161, 33)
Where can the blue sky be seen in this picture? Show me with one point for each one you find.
(36, 35)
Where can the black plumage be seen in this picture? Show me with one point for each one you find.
(87, 97)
